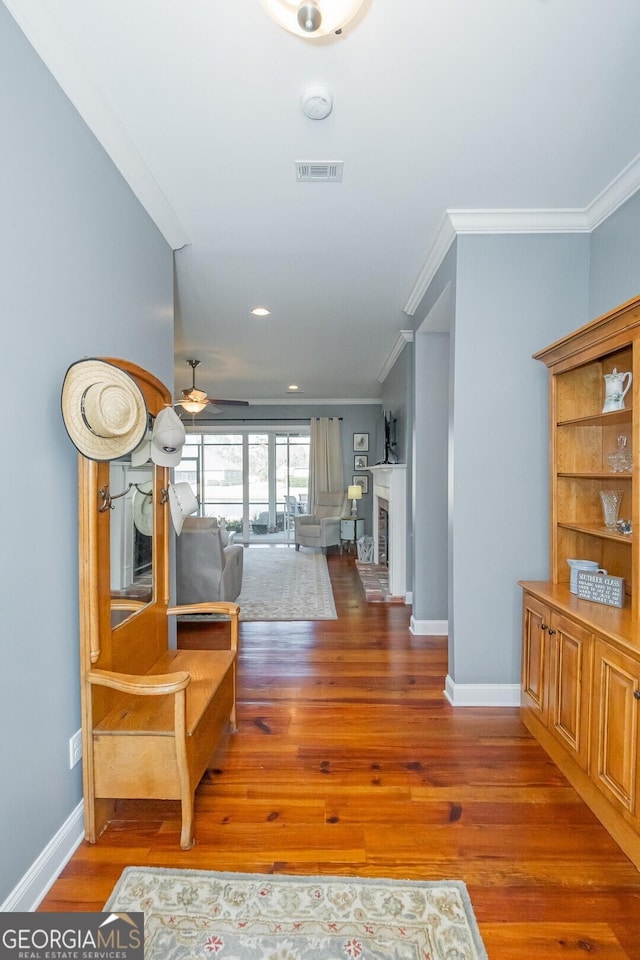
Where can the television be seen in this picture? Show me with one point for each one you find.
(390, 455)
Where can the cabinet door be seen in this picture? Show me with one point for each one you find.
(614, 757)
(570, 681)
(535, 623)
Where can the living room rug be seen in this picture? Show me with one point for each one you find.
(193, 914)
(282, 583)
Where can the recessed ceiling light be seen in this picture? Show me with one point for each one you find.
(293, 387)
(260, 312)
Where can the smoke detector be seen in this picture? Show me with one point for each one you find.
(317, 102)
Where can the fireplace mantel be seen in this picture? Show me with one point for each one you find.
(390, 484)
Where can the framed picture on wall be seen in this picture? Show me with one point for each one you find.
(361, 442)
(361, 482)
(360, 461)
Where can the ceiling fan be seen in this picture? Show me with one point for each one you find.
(194, 400)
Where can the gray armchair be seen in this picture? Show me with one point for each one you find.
(322, 527)
(206, 570)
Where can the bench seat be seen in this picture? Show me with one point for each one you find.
(208, 670)
(157, 743)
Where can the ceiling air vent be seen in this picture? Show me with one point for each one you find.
(314, 170)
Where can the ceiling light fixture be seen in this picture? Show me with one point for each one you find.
(293, 387)
(261, 312)
(316, 18)
(193, 406)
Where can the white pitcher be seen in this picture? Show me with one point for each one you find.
(615, 390)
(574, 565)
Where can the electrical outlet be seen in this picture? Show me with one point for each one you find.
(75, 749)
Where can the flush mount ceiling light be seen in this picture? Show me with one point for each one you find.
(261, 312)
(317, 18)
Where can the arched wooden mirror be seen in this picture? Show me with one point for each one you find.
(123, 535)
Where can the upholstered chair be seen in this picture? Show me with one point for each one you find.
(206, 570)
(322, 527)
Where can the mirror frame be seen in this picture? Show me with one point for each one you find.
(99, 639)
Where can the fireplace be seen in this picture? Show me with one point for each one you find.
(383, 531)
(390, 523)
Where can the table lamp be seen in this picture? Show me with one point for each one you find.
(354, 494)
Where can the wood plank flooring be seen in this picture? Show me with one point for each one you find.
(349, 761)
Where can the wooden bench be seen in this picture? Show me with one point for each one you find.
(157, 739)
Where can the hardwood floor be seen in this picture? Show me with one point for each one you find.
(349, 760)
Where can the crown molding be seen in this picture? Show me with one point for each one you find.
(439, 249)
(42, 32)
(615, 194)
(479, 221)
(518, 221)
(404, 337)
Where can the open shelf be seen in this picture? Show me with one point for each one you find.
(598, 419)
(598, 530)
(606, 475)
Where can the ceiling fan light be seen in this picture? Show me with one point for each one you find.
(198, 396)
(193, 406)
(316, 18)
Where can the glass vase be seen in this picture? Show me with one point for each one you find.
(611, 500)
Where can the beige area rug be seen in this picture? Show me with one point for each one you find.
(193, 914)
(282, 583)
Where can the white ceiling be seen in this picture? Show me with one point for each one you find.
(438, 105)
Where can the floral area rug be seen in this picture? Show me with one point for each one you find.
(282, 583)
(194, 914)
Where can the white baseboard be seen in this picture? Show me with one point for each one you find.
(429, 628)
(408, 598)
(482, 694)
(44, 871)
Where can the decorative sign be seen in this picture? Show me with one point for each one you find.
(601, 588)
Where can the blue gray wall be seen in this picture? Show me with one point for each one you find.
(83, 272)
(430, 479)
(503, 298)
(514, 295)
(430, 459)
(397, 396)
(615, 259)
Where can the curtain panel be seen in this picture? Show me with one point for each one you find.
(325, 458)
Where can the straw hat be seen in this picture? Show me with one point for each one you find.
(103, 409)
(183, 503)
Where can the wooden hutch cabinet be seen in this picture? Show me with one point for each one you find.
(581, 658)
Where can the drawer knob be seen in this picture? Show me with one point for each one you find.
(551, 632)
(636, 694)
(544, 626)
